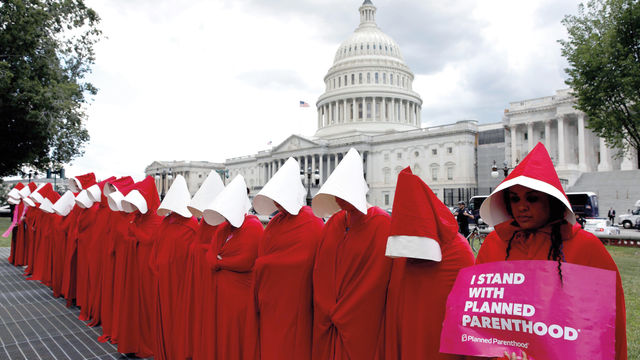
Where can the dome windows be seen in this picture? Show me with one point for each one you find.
(353, 79)
(376, 77)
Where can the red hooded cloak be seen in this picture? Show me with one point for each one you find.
(282, 286)
(350, 279)
(131, 335)
(232, 256)
(420, 284)
(168, 262)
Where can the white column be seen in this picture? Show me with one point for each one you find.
(629, 161)
(530, 135)
(407, 113)
(319, 117)
(547, 135)
(419, 119)
(383, 110)
(605, 163)
(561, 143)
(514, 138)
(354, 110)
(320, 160)
(373, 108)
(582, 161)
(313, 162)
(344, 110)
(392, 113)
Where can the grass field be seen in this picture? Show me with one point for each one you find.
(628, 260)
(4, 224)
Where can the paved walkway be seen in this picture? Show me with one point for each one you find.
(34, 325)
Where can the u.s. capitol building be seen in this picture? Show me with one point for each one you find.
(369, 104)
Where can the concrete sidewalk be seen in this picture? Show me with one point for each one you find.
(34, 325)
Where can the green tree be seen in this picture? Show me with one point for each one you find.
(603, 51)
(46, 49)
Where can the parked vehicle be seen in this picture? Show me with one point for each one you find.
(638, 223)
(628, 220)
(584, 204)
(600, 226)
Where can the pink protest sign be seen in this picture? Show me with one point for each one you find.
(522, 305)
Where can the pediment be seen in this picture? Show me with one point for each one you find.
(294, 142)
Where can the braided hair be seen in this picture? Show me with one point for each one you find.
(556, 218)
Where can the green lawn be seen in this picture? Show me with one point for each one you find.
(628, 260)
(4, 224)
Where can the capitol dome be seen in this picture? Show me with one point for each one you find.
(369, 86)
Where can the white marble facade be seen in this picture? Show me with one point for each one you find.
(554, 121)
(369, 104)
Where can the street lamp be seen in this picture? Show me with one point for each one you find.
(224, 173)
(162, 176)
(505, 169)
(316, 176)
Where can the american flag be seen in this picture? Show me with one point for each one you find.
(269, 142)
(304, 104)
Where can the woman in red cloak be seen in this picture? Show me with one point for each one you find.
(48, 226)
(168, 262)
(63, 240)
(429, 254)
(13, 198)
(86, 221)
(22, 233)
(351, 273)
(30, 220)
(533, 220)
(231, 255)
(70, 270)
(135, 324)
(114, 230)
(282, 321)
(199, 276)
(95, 246)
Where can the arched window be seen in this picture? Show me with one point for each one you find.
(376, 76)
(391, 79)
(368, 78)
(384, 78)
(353, 79)
(360, 78)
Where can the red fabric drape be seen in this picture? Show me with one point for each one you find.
(198, 277)
(350, 279)
(416, 302)
(20, 257)
(168, 262)
(31, 219)
(232, 257)
(86, 221)
(113, 268)
(282, 320)
(70, 265)
(579, 247)
(131, 336)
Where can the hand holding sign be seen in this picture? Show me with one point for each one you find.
(514, 306)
